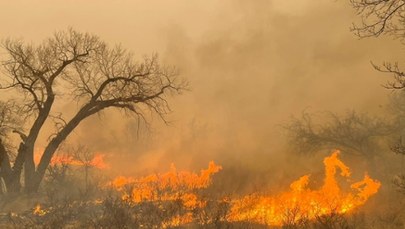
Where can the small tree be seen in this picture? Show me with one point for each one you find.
(85, 157)
(81, 68)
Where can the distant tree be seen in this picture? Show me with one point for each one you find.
(352, 133)
(386, 17)
(77, 67)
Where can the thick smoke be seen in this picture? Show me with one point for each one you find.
(250, 64)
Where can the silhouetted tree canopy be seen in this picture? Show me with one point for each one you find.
(382, 17)
(80, 68)
(353, 133)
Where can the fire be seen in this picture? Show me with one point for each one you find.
(172, 185)
(96, 162)
(297, 204)
(39, 211)
(303, 203)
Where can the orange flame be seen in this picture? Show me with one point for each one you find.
(39, 211)
(172, 185)
(96, 162)
(301, 202)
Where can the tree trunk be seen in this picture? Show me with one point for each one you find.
(26, 150)
(33, 184)
(11, 179)
(29, 165)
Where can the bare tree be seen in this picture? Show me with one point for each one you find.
(386, 17)
(79, 67)
(353, 133)
(382, 17)
(8, 123)
(85, 157)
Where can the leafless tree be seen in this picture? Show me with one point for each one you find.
(85, 157)
(382, 17)
(387, 17)
(353, 133)
(77, 67)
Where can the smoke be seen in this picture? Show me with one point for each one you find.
(255, 65)
(250, 64)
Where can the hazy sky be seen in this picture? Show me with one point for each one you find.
(251, 65)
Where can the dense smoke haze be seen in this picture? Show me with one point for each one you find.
(222, 114)
(251, 65)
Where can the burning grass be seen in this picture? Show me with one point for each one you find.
(179, 199)
(303, 203)
(288, 207)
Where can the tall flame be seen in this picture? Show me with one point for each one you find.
(297, 204)
(303, 203)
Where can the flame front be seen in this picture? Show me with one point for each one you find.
(303, 203)
(295, 205)
(172, 185)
